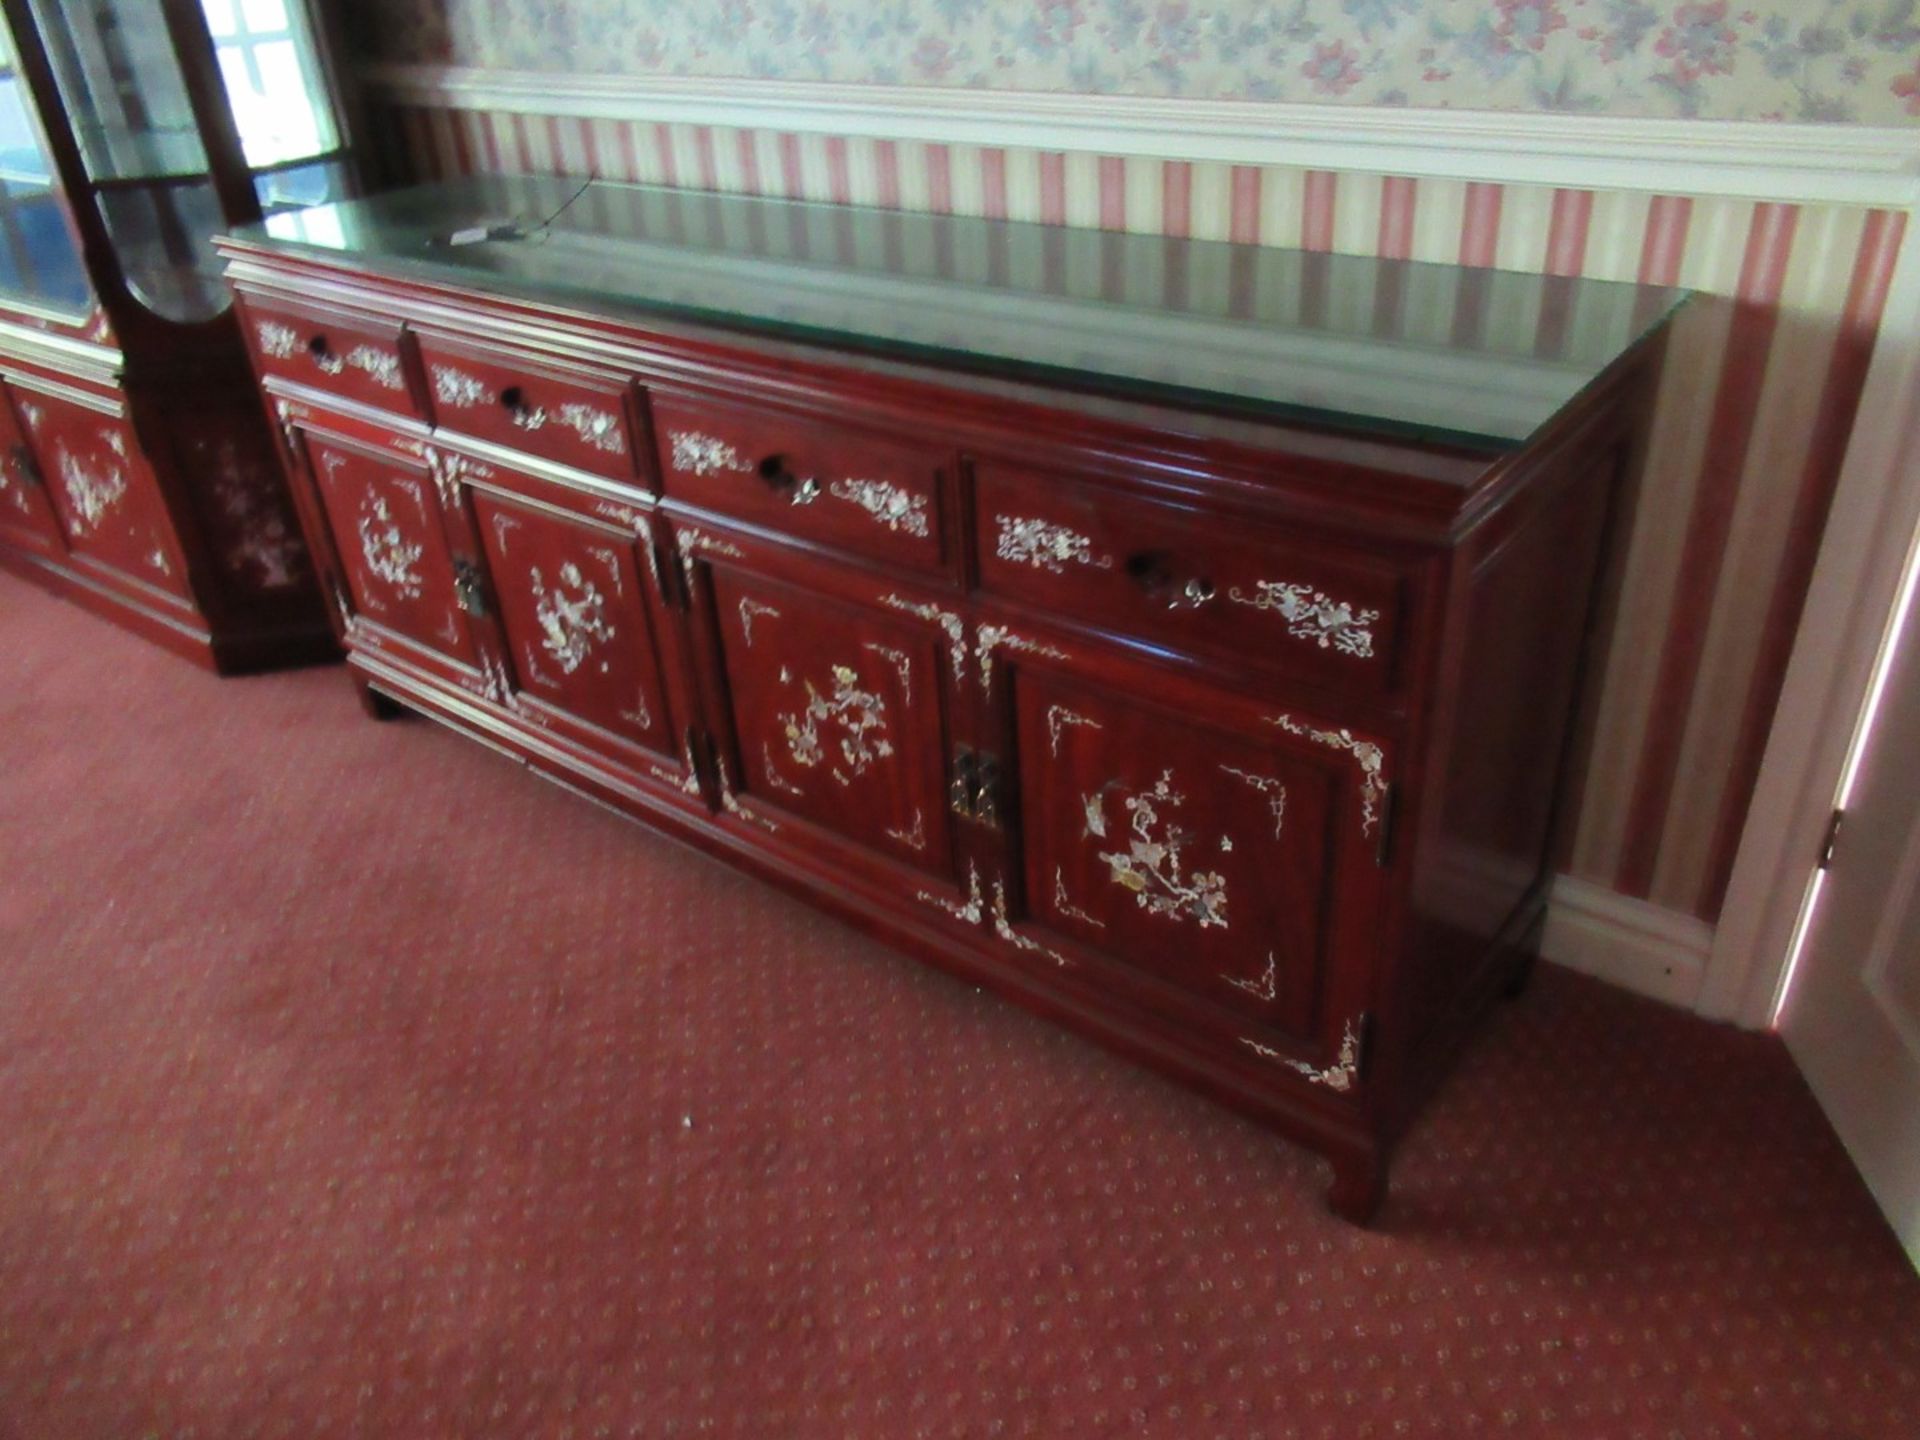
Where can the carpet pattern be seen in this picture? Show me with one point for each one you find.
(354, 1082)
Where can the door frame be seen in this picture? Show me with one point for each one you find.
(1870, 536)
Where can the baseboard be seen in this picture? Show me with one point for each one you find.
(1630, 943)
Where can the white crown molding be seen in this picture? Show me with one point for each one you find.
(1640, 947)
(1848, 164)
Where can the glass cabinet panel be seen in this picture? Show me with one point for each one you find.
(126, 102)
(39, 263)
(126, 98)
(124, 89)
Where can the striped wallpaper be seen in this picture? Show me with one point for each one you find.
(1754, 410)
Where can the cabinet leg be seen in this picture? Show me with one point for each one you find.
(1359, 1183)
(378, 706)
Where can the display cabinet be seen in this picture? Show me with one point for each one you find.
(132, 132)
(1179, 637)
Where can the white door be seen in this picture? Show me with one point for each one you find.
(1851, 1008)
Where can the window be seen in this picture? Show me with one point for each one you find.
(269, 61)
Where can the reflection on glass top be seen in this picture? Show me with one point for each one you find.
(1477, 356)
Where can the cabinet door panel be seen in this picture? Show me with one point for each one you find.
(107, 501)
(835, 711)
(1210, 857)
(589, 647)
(26, 515)
(384, 518)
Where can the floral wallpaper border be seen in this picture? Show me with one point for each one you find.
(1818, 60)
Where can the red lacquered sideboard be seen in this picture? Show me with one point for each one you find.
(1180, 638)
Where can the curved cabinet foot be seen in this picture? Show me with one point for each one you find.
(1359, 1184)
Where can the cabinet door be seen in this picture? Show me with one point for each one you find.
(834, 702)
(591, 652)
(108, 504)
(26, 515)
(383, 517)
(1225, 850)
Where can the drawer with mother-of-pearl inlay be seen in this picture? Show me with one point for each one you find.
(352, 355)
(1209, 585)
(566, 412)
(827, 482)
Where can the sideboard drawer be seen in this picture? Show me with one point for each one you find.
(836, 486)
(570, 414)
(359, 357)
(1217, 586)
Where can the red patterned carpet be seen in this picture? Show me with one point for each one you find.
(355, 1083)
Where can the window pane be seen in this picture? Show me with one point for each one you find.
(273, 87)
(265, 17)
(219, 16)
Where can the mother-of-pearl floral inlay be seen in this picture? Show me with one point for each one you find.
(389, 554)
(700, 454)
(1003, 927)
(913, 836)
(1266, 987)
(1268, 786)
(573, 617)
(1045, 546)
(859, 715)
(277, 340)
(995, 637)
(91, 491)
(951, 625)
(751, 610)
(1313, 615)
(1060, 719)
(1341, 1075)
(455, 387)
(972, 910)
(1371, 759)
(890, 505)
(380, 366)
(599, 428)
(1152, 865)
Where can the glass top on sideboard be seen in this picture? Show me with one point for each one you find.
(1445, 352)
